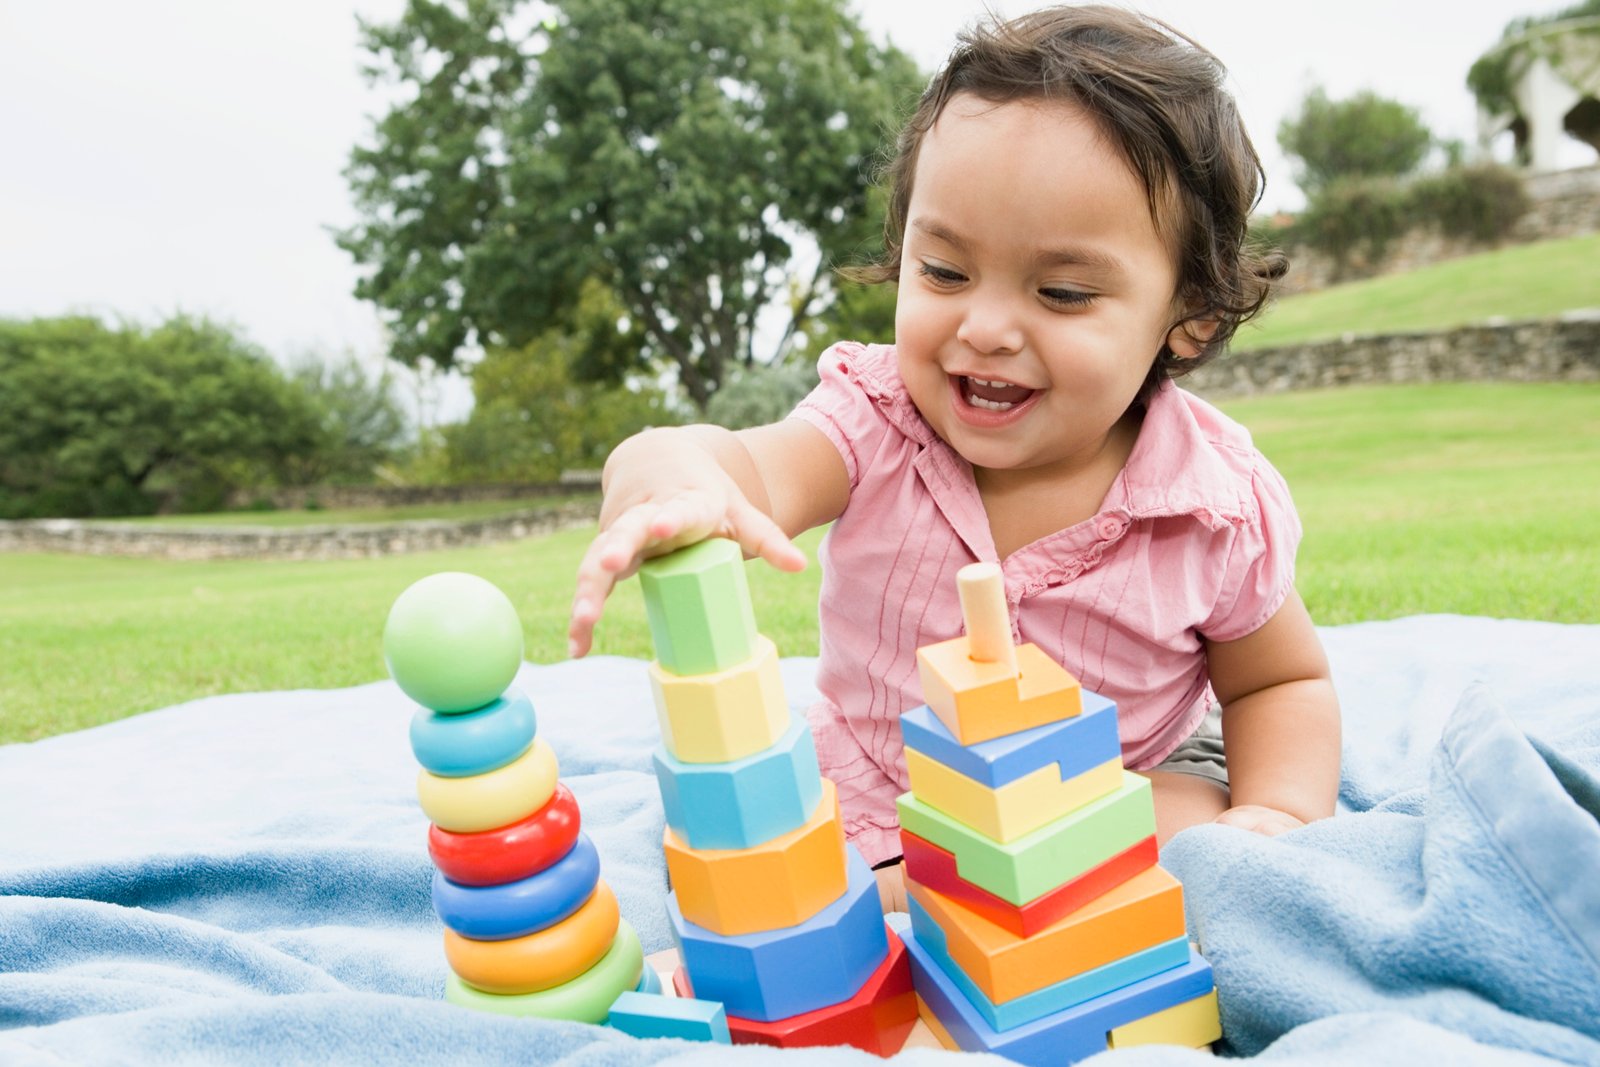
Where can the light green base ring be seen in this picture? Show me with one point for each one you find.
(585, 999)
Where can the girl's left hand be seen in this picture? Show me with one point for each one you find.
(1261, 819)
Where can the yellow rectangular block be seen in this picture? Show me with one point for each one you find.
(1141, 913)
(725, 715)
(1016, 808)
(981, 701)
(1192, 1024)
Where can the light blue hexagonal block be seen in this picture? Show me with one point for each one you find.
(745, 802)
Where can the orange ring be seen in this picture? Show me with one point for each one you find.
(542, 960)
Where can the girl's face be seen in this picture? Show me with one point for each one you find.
(1034, 290)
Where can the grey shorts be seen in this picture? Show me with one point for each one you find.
(1201, 752)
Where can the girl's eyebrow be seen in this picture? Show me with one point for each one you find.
(1094, 259)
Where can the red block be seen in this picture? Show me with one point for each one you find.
(935, 868)
(878, 1019)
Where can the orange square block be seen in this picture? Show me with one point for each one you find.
(981, 701)
(782, 882)
(1141, 913)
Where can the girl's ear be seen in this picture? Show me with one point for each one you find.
(1191, 336)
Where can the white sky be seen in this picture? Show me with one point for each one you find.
(186, 155)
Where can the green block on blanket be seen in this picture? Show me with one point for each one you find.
(1052, 855)
(698, 603)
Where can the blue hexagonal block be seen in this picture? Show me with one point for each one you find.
(778, 973)
(745, 802)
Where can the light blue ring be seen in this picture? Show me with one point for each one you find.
(465, 743)
(514, 909)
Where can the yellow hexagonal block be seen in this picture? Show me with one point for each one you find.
(980, 701)
(1192, 1024)
(1016, 808)
(725, 715)
(781, 883)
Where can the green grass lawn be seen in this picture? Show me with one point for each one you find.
(1521, 282)
(1466, 498)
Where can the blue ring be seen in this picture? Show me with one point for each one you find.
(461, 744)
(649, 981)
(514, 909)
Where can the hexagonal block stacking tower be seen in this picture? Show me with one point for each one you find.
(774, 915)
(1042, 928)
(530, 926)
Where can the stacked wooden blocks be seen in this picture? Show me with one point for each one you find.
(1042, 928)
(774, 915)
(530, 926)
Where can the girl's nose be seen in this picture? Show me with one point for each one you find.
(990, 325)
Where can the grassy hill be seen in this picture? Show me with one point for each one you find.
(1521, 282)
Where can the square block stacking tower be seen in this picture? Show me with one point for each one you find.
(1042, 928)
(774, 915)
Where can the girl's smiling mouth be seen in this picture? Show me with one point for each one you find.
(988, 401)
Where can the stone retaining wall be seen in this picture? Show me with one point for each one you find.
(390, 496)
(293, 543)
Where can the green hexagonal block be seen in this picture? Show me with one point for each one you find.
(698, 603)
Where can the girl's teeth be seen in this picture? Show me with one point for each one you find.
(990, 405)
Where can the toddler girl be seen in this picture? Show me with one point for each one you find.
(1066, 230)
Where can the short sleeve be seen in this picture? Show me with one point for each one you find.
(852, 404)
(1259, 571)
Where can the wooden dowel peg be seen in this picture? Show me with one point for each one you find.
(983, 605)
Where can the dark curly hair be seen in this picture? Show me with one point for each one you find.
(1158, 98)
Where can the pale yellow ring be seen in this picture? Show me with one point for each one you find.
(489, 801)
(549, 957)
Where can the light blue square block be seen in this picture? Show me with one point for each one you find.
(650, 1015)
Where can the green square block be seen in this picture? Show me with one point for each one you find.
(698, 603)
(1050, 856)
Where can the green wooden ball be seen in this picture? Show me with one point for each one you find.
(453, 641)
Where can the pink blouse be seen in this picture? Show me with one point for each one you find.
(1197, 535)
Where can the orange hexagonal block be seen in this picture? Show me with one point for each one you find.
(780, 883)
(979, 701)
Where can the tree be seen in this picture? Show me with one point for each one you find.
(675, 151)
(1365, 136)
(96, 420)
(359, 417)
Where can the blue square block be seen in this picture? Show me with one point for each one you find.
(1065, 1037)
(1078, 744)
(650, 1015)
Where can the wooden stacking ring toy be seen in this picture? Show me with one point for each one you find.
(487, 801)
(585, 999)
(458, 744)
(510, 853)
(500, 912)
(553, 956)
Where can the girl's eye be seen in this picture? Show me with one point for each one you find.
(1067, 297)
(941, 275)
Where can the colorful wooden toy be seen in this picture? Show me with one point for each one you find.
(487, 801)
(508, 853)
(1073, 745)
(551, 957)
(458, 744)
(1016, 808)
(773, 974)
(1054, 854)
(723, 715)
(878, 1019)
(585, 999)
(697, 600)
(515, 909)
(649, 982)
(1074, 989)
(1193, 1024)
(935, 868)
(745, 802)
(980, 685)
(782, 882)
(682, 1017)
(452, 641)
(1141, 913)
(1064, 1037)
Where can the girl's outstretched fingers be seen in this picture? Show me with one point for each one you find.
(761, 538)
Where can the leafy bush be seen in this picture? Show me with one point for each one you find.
(758, 395)
(1478, 203)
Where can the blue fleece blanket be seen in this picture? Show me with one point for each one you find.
(245, 878)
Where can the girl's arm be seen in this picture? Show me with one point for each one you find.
(1280, 723)
(666, 488)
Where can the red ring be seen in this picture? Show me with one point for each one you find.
(510, 853)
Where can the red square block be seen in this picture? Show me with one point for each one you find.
(878, 1019)
(935, 867)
